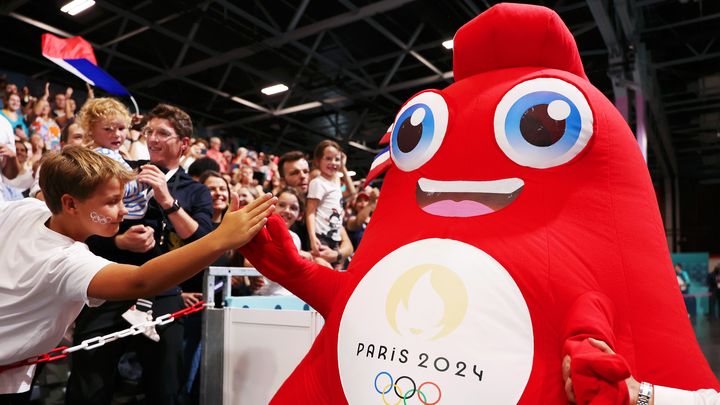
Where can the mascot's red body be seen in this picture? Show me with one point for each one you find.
(517, 218)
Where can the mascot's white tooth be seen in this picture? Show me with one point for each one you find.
(503, 186)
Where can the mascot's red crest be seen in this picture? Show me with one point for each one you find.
(517, 219)
(515, 35)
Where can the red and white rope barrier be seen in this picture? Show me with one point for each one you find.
(89, 344)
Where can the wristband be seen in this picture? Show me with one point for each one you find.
(645, 394)
(339, 258)
(173, 208)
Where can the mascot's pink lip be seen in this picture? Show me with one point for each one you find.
(466, 198)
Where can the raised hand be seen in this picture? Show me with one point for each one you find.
(190, 299)
(138, 238)
(239, 227)
(155, 178)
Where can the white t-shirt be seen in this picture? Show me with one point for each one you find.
(329, 215)
(296, 239)
(44, 277)
(7, 137)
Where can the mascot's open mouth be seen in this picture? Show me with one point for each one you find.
(466, 198)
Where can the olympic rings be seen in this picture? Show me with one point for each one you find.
(388, 390)
(100, 219)
(439, 392)
(389, 385)
(423, 400)
(413, 388)
(393, 385)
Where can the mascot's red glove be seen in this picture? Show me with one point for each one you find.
(274, 254)
(598, 378)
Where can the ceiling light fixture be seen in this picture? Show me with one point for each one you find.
(448, 44)
(274, 89)
(77, 6)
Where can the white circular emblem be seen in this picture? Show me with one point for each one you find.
(436, 321)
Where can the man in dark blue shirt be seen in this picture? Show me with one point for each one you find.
(179, 212)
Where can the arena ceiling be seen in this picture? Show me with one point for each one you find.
(351, 63)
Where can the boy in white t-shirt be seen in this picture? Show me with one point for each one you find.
(47, 274)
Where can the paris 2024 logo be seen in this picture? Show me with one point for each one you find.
(436, 321)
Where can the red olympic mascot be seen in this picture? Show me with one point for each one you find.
(517, 219)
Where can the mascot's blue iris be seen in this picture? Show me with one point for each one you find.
(413, 132)
(545, 124)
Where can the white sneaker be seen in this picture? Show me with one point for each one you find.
(135, 317)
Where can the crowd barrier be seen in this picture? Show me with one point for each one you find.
(251, 344)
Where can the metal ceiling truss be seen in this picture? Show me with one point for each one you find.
(338, 95)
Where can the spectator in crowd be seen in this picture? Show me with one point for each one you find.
(221, 194)
(64, 108)
(26, 98)
(682, 278)
(227, 157)
(263, 165)
(324, 215)
(56, 274)
(59, 105)
(196, 151)
(713, 283)
(247, 179)
(8, 88)
(202, 165)
(245, 195)
(72, 134)
(179, 213)
(240, 156)
(13, 113)
(362, 208)
(106, 123)
(37, 148)
(215, 153)
(290, 207)
(294, 170)
(28, 111)
(44, 125)
(275, 185)
(24, 180)
(9, 165)
(192, 288)
(136, 142)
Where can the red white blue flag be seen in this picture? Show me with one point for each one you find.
(77, 57)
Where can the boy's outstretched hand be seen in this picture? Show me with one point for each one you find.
(239, 227)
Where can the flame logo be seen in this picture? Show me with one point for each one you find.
(434, 302)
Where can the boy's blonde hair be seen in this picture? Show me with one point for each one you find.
(97, 109)
(77, 171)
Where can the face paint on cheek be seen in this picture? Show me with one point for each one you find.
(99, 219)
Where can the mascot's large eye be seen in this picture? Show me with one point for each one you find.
(543, 123)
(418, 130)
